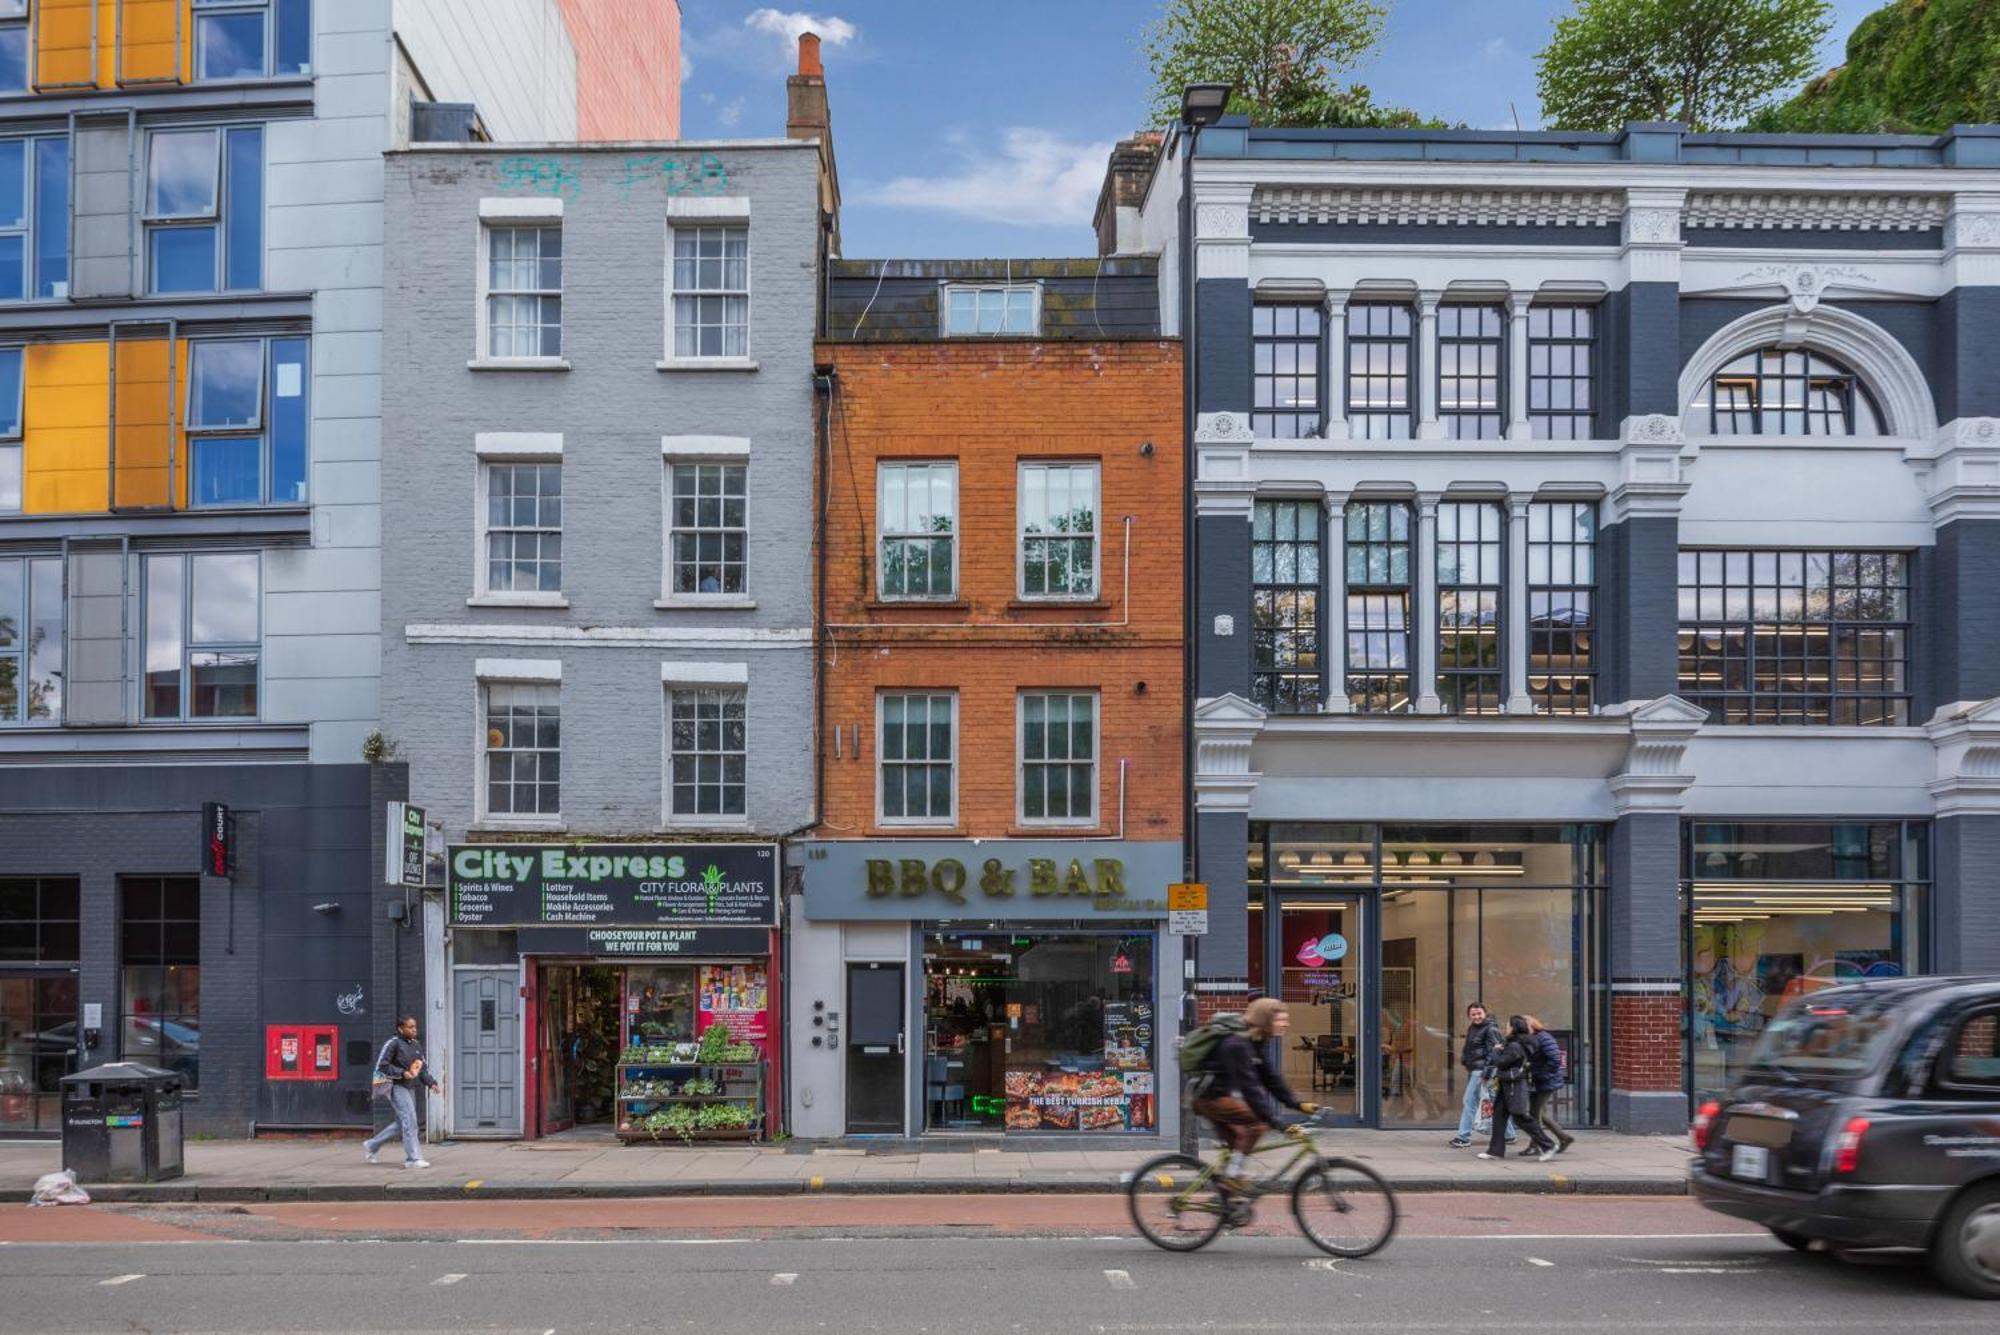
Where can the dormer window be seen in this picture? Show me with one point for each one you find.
(996, 310)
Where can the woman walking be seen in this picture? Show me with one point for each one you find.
(1510, 1061)
(1548, 1080)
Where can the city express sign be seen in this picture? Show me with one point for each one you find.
(1014, 879)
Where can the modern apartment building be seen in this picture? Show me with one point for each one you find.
(597, 609)
(981, 943)
(1595, 539)
(191, 315)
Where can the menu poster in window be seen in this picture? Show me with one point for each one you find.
(736, 995)
(1066, 1101)
(1128, 1035)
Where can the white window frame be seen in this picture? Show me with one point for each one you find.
(1022, 537)
(713, 452)
(1021, 761)
(504, 449)
(502, 213)
(693, 678)
(946, 291)
(883, 536)
(950, 819)
(491, 672)
(693, 215)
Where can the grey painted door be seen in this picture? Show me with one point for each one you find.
(486, 1075)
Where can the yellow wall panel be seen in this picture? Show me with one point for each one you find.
(152, 53)
(63, 438)
(63, 41)
(66, 455)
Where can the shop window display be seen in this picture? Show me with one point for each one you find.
(1039, 1032)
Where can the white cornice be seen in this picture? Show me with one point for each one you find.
(1212, 174)
(1966, 736)
(1438, 205)
(1816, 209)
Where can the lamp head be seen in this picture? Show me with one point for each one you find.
(1202, 104)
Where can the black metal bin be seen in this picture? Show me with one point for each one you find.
(122, 1123)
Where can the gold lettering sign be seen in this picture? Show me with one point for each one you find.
(1101, 880)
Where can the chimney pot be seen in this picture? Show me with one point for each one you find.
(809, 55)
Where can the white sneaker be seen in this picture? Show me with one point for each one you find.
(417, 1163)
(368, 1154)
(1547, 1155)
(1484, 1155)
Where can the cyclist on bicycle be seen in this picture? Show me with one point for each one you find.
(1242, 1094)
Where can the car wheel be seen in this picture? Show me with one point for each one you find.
(1965, 1253)
(1798, 1242)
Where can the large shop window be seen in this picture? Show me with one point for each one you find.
(34, 216)
(1039, 1031)
(204, 638)
(1796, 637)
(31, 640)
(1470, 589)
(1380, 575)
(1510, 916)
(1285, 585)
(1562, 600)
(1284, 378)
(39, 925)
(159, 945)
(1776, 911)
(205, 209)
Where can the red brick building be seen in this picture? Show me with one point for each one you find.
(1000, 742)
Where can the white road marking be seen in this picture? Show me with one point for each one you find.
(597, 1242)
(117, 1279)
(1536, 1260)
(784, 1278)
(1120, 1279)
(442, 1280)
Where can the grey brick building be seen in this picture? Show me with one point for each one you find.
(597, 607)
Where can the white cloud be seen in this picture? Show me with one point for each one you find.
(1035, 179)
(731, 114)
(1497, 49)
(687, 65)
(786, 25)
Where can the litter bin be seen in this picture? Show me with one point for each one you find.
(122, 1123)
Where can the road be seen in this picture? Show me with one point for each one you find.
(956, 1266)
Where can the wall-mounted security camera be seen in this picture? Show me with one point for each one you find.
(1145, 449)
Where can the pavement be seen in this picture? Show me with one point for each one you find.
(586, 1164)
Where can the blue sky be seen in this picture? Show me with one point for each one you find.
(974, 128)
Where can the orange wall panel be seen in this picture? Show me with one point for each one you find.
(64, 41)
(990, 406)
(151, 52)
(63, 437)
(146, 447)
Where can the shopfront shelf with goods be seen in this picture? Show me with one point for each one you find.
(686, 1098)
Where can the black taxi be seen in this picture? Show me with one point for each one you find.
(1869, 1117)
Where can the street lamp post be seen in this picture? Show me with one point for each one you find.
(1202, 104)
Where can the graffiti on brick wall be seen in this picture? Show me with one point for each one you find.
(674, 175)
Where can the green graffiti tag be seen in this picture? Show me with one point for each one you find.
(543, 176)
(676, 176)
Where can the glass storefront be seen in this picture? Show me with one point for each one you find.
(1379, 936)
(1031, 1030)
(1774, 910)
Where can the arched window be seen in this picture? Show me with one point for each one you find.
(1785, 392)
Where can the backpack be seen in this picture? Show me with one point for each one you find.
(1198, 1045)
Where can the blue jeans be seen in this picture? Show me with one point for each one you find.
(403, 1102)
(1468, 1115)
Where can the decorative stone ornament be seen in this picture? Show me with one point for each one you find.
(1224, 428)
(1805, 284)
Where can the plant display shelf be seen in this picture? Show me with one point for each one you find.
(739, 1082)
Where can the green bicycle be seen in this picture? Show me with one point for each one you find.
(1344, 1208)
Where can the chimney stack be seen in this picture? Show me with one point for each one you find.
(807, 117)
(1126, 177)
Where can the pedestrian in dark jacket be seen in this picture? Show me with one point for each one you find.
(1242, 1093)
(402, 1062)
(1548, 1064)
(1511, 1062)
(1475, 1054)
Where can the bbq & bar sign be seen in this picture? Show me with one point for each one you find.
(613, 885)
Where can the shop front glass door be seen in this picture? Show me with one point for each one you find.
(1323, 982)
(558, 1002)
(37, 1049)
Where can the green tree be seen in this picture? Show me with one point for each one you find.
(1913, 67)
(1706, 63)
(1280, 57)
